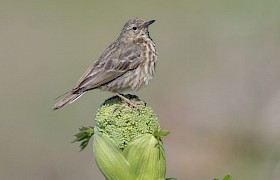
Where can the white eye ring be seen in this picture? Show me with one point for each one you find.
(134, 27)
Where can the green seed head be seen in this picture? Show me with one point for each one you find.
(123, 123)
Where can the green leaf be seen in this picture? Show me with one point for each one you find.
(228, 177)
(146, 157)
(161, 133)
(110, 159)
(84, 136)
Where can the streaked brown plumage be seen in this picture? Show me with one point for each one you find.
(126, 65)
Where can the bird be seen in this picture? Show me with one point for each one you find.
(126, 65)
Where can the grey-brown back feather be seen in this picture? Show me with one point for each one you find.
(110, 66)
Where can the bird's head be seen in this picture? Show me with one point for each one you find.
(135, 28)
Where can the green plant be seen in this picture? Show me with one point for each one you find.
(127, 141)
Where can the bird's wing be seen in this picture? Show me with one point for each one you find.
(108, 68)
(97, 65)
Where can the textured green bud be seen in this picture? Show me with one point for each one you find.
(124, 123)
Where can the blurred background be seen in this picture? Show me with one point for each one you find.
(217, 85)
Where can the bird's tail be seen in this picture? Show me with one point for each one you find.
(67, 100)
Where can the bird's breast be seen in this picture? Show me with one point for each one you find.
(149, 55)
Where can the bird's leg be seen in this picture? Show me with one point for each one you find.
(128, 101)
(131, 102)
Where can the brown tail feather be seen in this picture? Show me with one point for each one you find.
(66, 100)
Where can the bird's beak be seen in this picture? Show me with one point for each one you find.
(148, 23)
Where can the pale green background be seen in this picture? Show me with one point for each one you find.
(217, 86)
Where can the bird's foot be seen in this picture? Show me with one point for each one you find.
(132, 102)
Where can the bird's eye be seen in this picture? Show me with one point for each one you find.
(134, 28)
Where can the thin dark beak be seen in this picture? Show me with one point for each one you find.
(148, 23)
